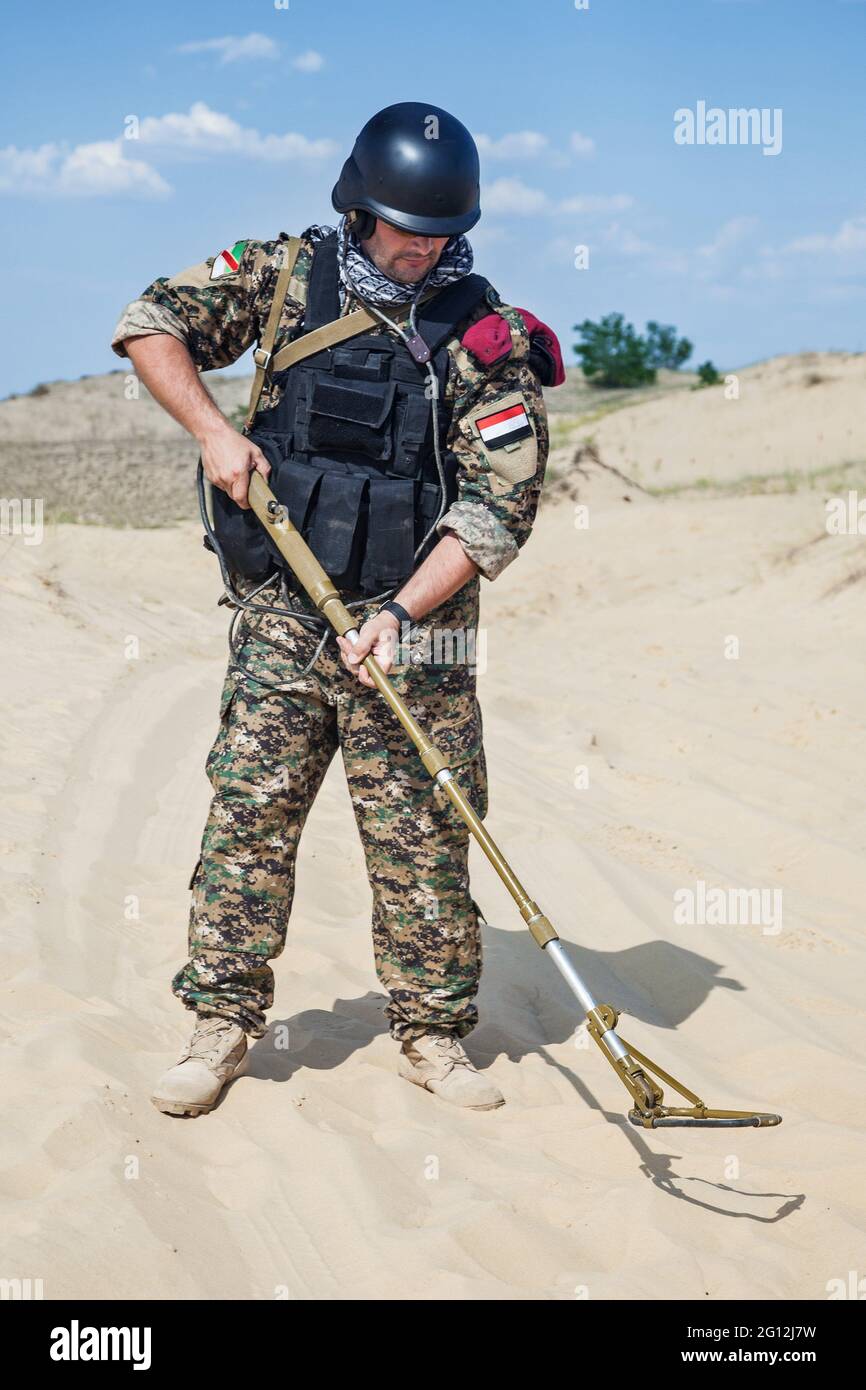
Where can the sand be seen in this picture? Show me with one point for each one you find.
(323, 1175)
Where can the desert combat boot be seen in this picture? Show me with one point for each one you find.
(212, 1057)
(437, 1062)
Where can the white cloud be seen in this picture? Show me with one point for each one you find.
(671, 262)
(103, 168)
(484, 237)
(26, 171)
(232, 49)
(511, 195)
(560, 248)
(205, 131)
(598, 202)
(311, 61)
(780, 262)
(115, 167)
(520, 144)
(532, 144)
(850, 238)
(731, 233)
(98, 169)
(582, 145)
(624, 240)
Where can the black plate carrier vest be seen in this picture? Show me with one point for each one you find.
(350, 444)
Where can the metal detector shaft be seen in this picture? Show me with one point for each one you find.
(631, 1067)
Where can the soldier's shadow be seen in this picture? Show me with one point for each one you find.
(318, 1039)
(524, 1004)
(656, 982)
(525, 1007)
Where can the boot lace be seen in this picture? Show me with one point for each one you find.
(449, 1049)
(206, 1042)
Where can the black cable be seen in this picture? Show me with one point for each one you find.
(244, 605)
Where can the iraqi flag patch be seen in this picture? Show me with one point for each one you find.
(503, 427)
(227, 262)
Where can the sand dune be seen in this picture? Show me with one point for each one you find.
(322, 1174)
(796, 415)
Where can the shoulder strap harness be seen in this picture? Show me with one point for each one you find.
(471, 287)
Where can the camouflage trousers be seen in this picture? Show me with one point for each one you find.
(266, 765)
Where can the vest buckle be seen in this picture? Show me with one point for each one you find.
(262, 358)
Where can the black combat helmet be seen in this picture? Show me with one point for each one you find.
(415, 166)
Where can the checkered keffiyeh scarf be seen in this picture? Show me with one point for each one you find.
(360, 277)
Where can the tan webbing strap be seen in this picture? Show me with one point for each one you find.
(262, 354)
(324, 337)
(330, 333)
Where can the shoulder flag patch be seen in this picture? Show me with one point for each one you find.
(504, 427)
(227, 262)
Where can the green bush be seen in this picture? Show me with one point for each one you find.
(665, 348)
(613, 354)
(708, 375)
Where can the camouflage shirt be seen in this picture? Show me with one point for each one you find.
(219, 308)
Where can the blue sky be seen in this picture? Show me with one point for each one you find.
(246, 113)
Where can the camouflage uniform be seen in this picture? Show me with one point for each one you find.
(273, 747)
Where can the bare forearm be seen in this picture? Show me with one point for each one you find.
(164, 365)
(446, 569)
(169, 373)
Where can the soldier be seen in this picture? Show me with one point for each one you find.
(409, 444)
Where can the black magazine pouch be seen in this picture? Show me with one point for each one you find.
(296, 485)
(336, 531)
(390, 549)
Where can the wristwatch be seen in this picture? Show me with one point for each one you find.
(398, 610)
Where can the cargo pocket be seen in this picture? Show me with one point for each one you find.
(227, 695)
(462, 743)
